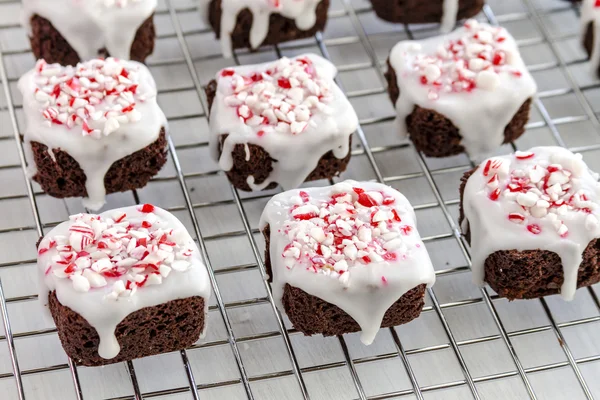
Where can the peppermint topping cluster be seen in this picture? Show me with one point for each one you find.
(474, 61)
(119, 3)
(543, 188)
(282, 98)
(351, 228)
(96, 96)
(122, 252)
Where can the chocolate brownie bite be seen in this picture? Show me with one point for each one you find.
(345, 258)
(124, 284)
(280, 123)
(92, 129)
(532, 221)
(466, 91)
(446, 12)
(254, 23)
(590, 24)
(67, 31)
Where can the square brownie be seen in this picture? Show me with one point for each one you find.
(532, 221)
(466, 91)
(124, 284)
(345, 258)
(92, 129)
(254, 23)
(280, 123)
(67, 32)
(447, 12)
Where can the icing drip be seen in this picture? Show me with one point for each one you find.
(303, 12)
(107, 266)
(92, 25)
(590, 13)
(475, 70)
(545, 199)
(292, 108)
(98, 112)
(450, 9)
(355, 245)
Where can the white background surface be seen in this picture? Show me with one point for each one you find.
(358, 42)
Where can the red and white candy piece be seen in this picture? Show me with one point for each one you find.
(281, 98)
(476, 60)
(97, 96)
(542, 190)
(122, 252)
(353, 227)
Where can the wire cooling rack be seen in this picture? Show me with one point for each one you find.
(466, 344)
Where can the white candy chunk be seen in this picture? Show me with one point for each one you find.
(307, 209)
(164, 270)
(318, 234)
(487, 80)
(364, 234)
(432, 72)
(341, 265)
(380, 216)
(154, 279)
(528, 199)
(80, 283)
(393, 244)
(351, 252)
(591, 222)
(476, 64)
(95, 279)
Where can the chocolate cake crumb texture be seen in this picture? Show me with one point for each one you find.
(122, 29)
(252, 23)
(529, 214)
(92, 263)
(326, 246)
(282, 122)
(447, 12)
(89, 118)
(475, 70)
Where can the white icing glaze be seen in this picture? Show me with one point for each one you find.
(98, 127)
(359, 250)
(303, 12)
(91, 25)
(450, 9)
(590, 12)
(525, 201)
(481, 76)
(105, 283)
(295, 115)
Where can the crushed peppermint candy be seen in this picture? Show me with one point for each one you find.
(122, 253)
(473, 61)
(544, 188)
(351, 228)
(96, 96)
(281, 98)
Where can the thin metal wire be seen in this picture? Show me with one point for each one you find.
(369, 152)
(134, 381)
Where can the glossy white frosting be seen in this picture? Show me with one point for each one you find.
(89, 288)
(319, 116)
(590, 12)
(449, 16)
(101, 141)
(381, 259)
(532, 212)
(462, 85)
(303, 12)
(91, 25)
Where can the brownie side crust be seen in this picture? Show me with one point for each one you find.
(152, 330)
(49, 44)
(312, 315)
(281, 29)
(531, 274)
(436, 136)
(260, 164)
(588, 42)
(419, 11)
(65, 178)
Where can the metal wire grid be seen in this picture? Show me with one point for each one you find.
(355, 14)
